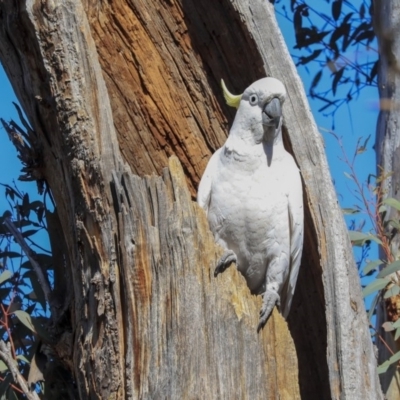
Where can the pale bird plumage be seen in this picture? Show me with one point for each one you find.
(252, 193)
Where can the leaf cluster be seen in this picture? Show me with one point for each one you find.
(32, 306)
(24, 312)
(26, 317)
(338, 44)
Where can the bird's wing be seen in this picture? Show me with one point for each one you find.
(204, 191)
(296, 224)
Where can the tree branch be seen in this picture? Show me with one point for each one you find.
(5, 355)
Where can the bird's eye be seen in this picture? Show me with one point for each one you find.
(253, 99)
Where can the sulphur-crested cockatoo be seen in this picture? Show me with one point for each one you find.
(252, 193)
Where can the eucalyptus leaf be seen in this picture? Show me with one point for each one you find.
(26, 319)
(375, 239)
(29, 232)
(35, 204)
(382, 209)
(3, 366)
(10, 254)
(37, 288)
(391, 202)
(397, 334)
(349, 211)
(389, 269)
(388, 326)
(374, 286)
(393, 291)
(385, 366)
(5, 276)
(22, 358)
(359, 238)
(371, 266)
(347, 175)
(395, 224)
(396, 324)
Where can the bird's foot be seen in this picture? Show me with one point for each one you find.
(270, 299)
(225, 261)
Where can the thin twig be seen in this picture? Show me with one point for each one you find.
(382, 340)
(372, 210)
(16, 388)
(5, 355)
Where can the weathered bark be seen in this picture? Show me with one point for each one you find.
(112, 90)
(386, 25)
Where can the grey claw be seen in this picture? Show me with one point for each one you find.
(225, 261)
(270, 299)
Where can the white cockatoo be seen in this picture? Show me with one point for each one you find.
(251, 191)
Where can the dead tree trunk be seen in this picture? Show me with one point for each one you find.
(113, 89)
(386, 25)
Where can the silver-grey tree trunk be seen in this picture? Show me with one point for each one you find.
(114, 88)
(387, 25)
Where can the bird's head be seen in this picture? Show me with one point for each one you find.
(259, 115)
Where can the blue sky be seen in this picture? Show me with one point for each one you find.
(351, 122)
(9, 163)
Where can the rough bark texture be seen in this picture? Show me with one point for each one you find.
(112, 90)
(386, 25)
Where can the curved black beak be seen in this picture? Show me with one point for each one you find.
(274, 111)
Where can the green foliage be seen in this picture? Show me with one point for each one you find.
(389, 269)
(23, 309)
(392, 203)
(386, 281)
(391, 291)
(375, 285)
(371, 266)
(373, 203)
(30, 326)
(360, 238)
(385, 366)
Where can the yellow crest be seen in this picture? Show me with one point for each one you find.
(231, 99)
